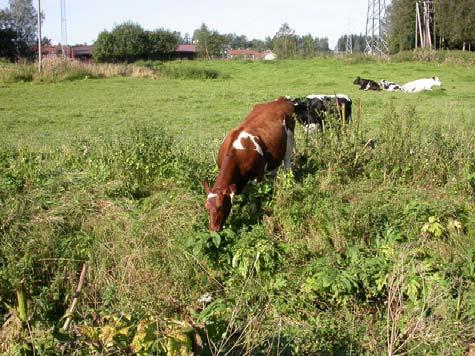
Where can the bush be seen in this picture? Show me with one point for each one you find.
(186, 72)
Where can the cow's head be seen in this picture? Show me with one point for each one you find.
(357, 80)
(437, 81)
(301, 109)
(218, 203)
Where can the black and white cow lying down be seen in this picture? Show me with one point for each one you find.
(312, 110)
(366, 84)
(389, 86)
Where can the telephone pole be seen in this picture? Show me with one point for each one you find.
(425, 24)
(39, 36)
(64, 29)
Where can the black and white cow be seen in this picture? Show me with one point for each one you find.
(389, 86)
(366, 84)
(312, 110)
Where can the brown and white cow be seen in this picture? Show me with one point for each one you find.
(258, 145)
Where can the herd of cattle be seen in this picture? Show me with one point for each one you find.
(265, 139)
(410, 87)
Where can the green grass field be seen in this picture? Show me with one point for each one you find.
(366, 247)
(206, 109)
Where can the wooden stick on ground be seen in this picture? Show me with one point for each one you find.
(82, 277)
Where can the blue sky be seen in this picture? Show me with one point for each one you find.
(253, 18)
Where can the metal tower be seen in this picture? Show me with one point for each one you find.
(64, 29)
(376, 28)
(349, 37)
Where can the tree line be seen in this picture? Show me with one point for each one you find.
(454, 22)
(129, 42)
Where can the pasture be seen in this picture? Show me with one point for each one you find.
(367, 247)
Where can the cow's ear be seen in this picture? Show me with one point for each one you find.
(433, 78)
(206, 186)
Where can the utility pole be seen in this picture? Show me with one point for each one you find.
(64, 30)
(39, 36)
(425, 23)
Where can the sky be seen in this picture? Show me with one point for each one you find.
(253, 18)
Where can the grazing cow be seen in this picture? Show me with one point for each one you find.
(312, 110)
(421, 84)
(366, 84)
(389, 86)
(259, 144)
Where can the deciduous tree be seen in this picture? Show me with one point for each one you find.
(284, 42)
(209, 43)
(20, 18)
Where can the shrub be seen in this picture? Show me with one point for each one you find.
(186, 72)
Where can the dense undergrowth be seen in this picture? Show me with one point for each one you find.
(365, 247)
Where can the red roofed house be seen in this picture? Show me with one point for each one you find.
(186, 51)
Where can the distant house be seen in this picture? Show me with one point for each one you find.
(84, 52)
(250, 54)
(186, 51)
(269, 56)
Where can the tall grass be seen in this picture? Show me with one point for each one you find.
(366, 247)
(58, 69)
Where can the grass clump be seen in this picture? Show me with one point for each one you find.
(189, 72)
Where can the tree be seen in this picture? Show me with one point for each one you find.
(161, 44)
(202, 37)
(284, 42)
(306, 46)
(187, 39)
(209, 43)
(402, 22)
(104, 47)
(321, 44)
(7, 44)
(455, 25)
(130, 42)
(127, 42)
(21, 18)
(463, 27)
(45, 41)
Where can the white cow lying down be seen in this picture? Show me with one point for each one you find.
(421, 84)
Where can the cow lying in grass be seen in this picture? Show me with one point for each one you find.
(389, 86)
(259, 144)
(366, 84)
(312, 110)
(421, 85)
